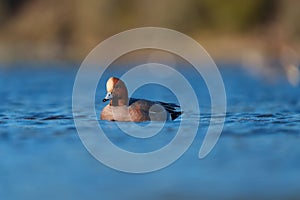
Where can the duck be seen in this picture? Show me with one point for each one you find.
(121, 108)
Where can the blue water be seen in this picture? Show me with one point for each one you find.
(42, 156)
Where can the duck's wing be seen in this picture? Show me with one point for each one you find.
(133, 100)
(172, 108)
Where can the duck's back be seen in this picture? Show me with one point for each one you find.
(145, 106)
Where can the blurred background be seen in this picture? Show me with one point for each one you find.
(68, 30)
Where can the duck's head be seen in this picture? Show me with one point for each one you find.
(117, 92)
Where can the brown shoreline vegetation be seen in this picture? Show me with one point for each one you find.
(67, 30)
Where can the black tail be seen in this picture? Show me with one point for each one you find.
(174, 115)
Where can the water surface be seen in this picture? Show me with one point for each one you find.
(42, 156)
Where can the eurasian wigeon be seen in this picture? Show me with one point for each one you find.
(137, 110)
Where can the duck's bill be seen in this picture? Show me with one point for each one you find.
(107, 97)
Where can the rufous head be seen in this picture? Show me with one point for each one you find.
(116, 92)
